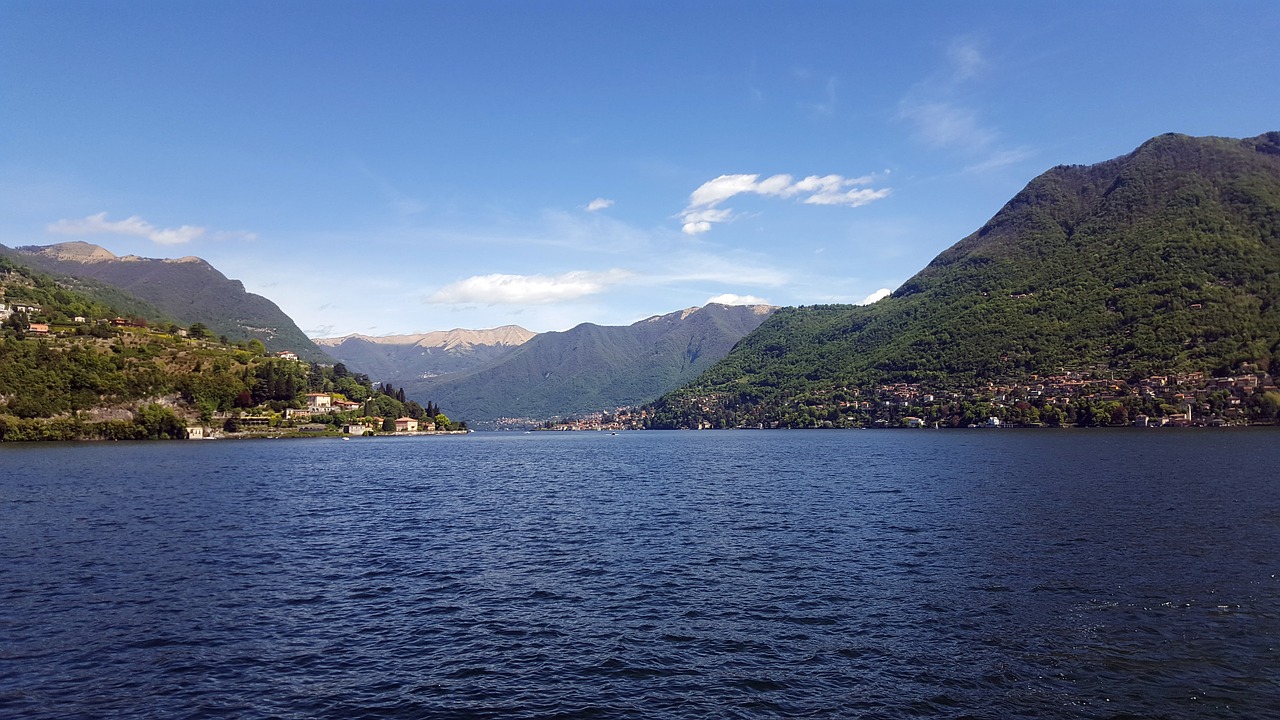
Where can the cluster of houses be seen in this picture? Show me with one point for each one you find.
(8, 309)
(323, 404)
(1190, 393)
(1090, 396)
(41, 329)
(623, 418)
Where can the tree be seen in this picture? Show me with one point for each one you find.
(315, 378)
(18, 323)
(157, 422)
(389, 425)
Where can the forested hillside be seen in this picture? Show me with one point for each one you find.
(1165, 261)
(72, 368)
(186, 290)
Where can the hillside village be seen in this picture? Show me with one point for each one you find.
(71, 369)
(1081, 398)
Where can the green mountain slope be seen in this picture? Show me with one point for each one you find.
(593, 367)
(1163, 260)
(68, 373)
(189, 290)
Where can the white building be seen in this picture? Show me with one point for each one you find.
(319, 401)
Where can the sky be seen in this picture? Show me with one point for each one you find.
(394, 167)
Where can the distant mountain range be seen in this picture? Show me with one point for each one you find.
(1164, 260)
(187, 290)
(409, 358)
(510, 372)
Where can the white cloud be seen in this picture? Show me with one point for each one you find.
(830, 190)
(133, 225)
(945, 124)
(999, 159)
(599, 204)
(498, 289)
(703, 210)
(713, 192)
(945, 120)
(876, 296)
(695, 228)
(731, 299)
(965, 58)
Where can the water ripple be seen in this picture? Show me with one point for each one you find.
(671, 575)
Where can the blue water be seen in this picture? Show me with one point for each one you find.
(878, 574)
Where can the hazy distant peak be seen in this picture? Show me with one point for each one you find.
(720, 307)
(75, 251)
(505, 336)
(79, 251)
(758, 309)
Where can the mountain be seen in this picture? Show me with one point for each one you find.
(187, 289)
(593, 367)
(1164, 260)
(68, 373)
(407, 358)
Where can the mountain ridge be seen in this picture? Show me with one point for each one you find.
(401, 359)
(188, 289)
(593, 367)
(1163, 260)
(510, 335)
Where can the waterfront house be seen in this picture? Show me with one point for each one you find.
(406, 424)
(319, 401)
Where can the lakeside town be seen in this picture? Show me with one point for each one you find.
(1069, 398)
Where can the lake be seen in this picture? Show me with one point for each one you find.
(736, 574)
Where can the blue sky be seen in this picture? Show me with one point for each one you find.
(391, 167)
